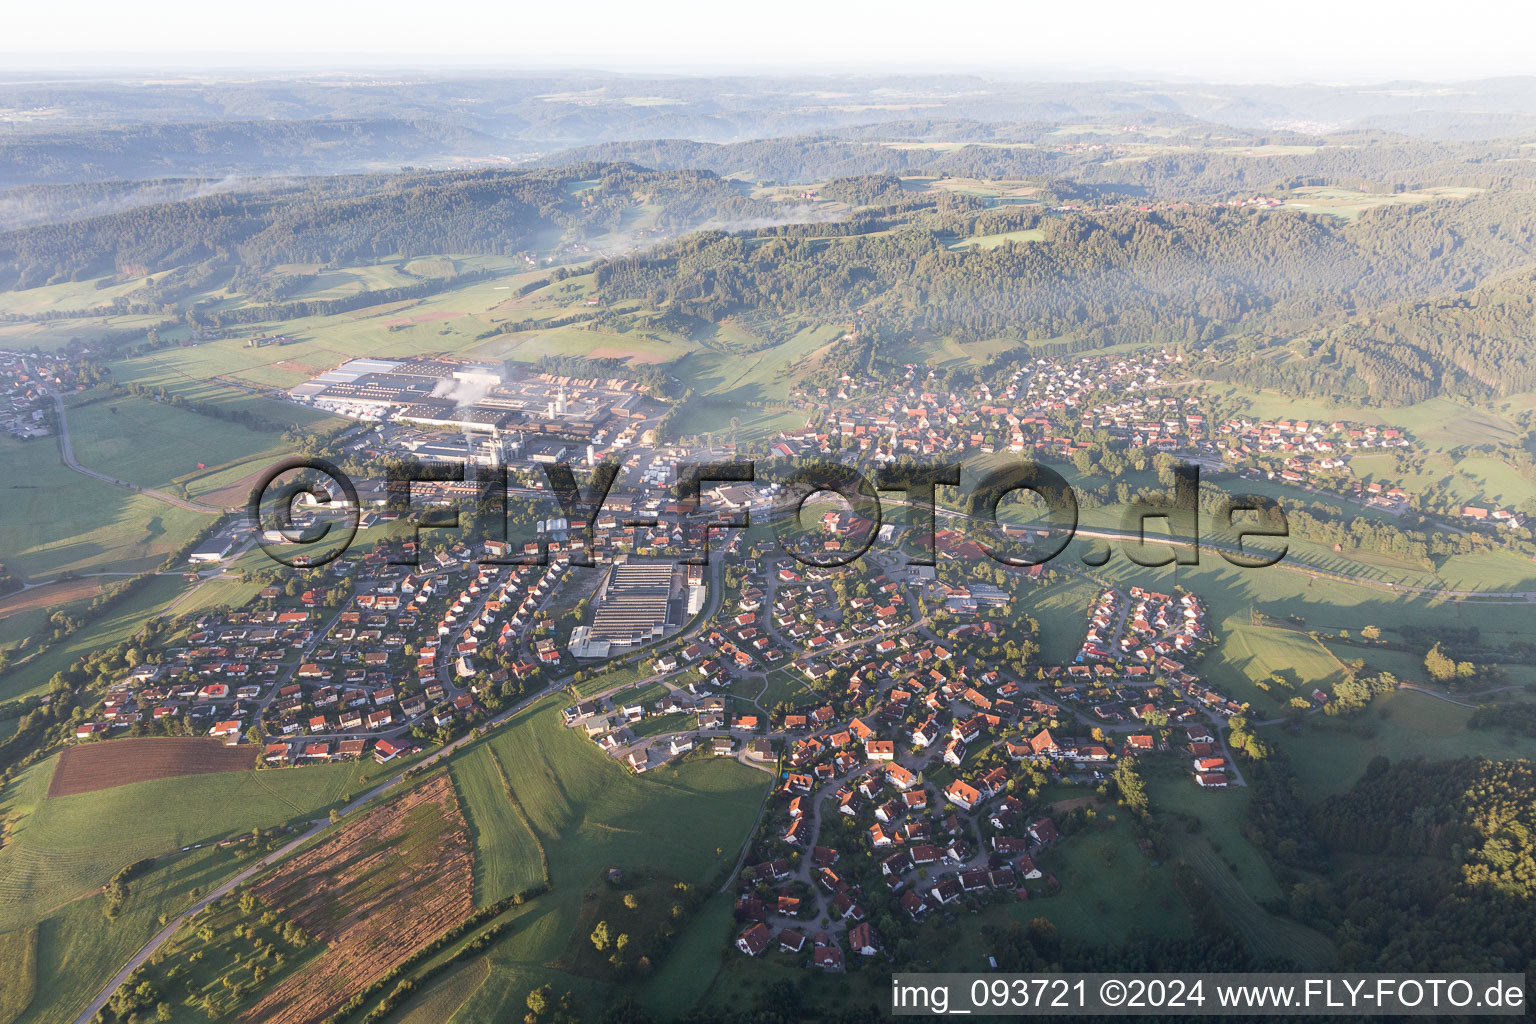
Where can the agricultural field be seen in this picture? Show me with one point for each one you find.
(61, 521)
(88, 767)
(60, 848)
(508, 856)
(18, 972)
(384, 886)
(1489, 570)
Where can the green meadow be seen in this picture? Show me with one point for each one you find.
(1330, 754)
(58, 520)
(590, 814)
(508, 856)
(160, 446)
(79, 950)
(60, 848)
(121, 621)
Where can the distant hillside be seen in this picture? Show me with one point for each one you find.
(361, 219)
(1191, 165)
(1091, 278)
(232, 147)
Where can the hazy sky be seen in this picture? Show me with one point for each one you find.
(1232, 41)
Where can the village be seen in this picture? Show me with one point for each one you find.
(929, 754)
(1142, 401)
(26, 381)
(903, 710)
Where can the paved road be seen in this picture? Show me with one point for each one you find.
(164, 935)
(67, 453)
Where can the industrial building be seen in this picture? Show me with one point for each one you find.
(637, 603)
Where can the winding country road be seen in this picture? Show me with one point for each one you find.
(317, 826)
(67, 453)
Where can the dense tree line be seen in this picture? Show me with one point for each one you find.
(1467, 902)
(1109, 276)
(362, 219)
(1475, 345)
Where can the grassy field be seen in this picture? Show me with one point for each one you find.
(58, 520)
(508, 857)
(695, 959)
(782, 685)
(1109, 888)
(218, 592)
(61, 848)
(446, 994)
(57, 335)
(1003, 238)
(1489, 570)
(1062, 611)
(78, 950)
(1438, 423)
(67, 296)
(1267, 936)
(1330, 754)
(1254, 653)
(22, 614)
(153, 444)
(1349, 204)
(728, 379)
(18, 975)
(1232, 868)
(121, 621)
(1171, 788)
(532, 346)
(591, 814)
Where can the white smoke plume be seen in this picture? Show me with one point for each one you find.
(803, 214)
(463, 392)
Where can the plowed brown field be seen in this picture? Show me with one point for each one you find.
(386, 885)
(108, 763)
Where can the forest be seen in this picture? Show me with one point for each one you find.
(1113, 276)
(1449, 866)
(1474, 345)
(358, 220)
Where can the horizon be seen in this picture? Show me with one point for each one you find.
(1195, 40)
